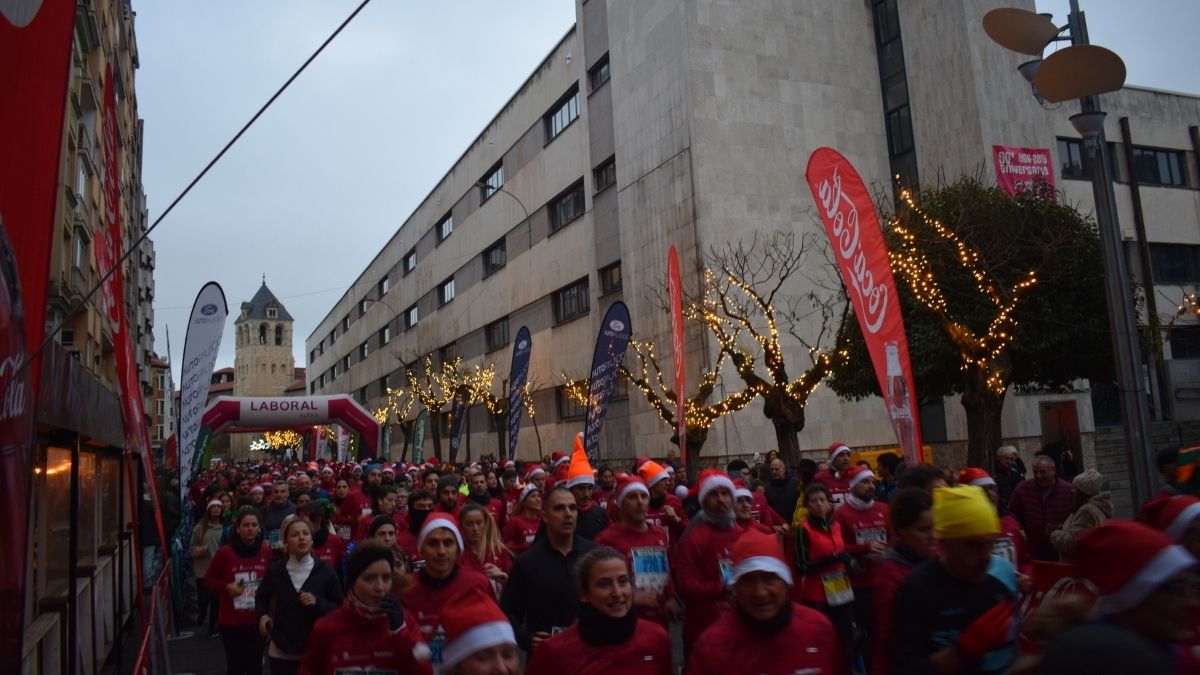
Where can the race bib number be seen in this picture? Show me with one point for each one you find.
(837, 499)
(837, 588)
(650, 568)
(1003, 547)
(343, 531)
(726, 571)
(870, 536)
(365, 671)
(415, 566)
(274, 538)
(250, 583)
(436, 645)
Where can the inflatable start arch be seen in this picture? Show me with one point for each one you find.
(237, 414)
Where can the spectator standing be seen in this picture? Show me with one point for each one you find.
(889, 470)
(1042, 504)
(1010, 472)
(206, 540)
(783, 490)
(1093, 507)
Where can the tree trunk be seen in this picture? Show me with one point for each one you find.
(435, 430)
(983, 408)
(695, 442)
(788, 418)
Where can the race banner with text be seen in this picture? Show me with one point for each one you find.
(200, 346)
(611, 343)
(675, 293)
(862, 258)
(459, 409)
(518, 374)
(419, 436)
(1021, 169)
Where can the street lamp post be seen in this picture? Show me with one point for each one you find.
(1083, 71)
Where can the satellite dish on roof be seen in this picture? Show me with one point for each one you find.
(1082, 70)
(1020, 30)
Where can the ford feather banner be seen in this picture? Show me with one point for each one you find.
(611, 343)
(862, 258)
(200, 346)
(419, 436)
(675, 294)
(459, 409)
(518, 374)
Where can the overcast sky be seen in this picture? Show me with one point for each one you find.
(313, 191)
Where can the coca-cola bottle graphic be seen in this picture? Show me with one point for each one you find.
(899, 402)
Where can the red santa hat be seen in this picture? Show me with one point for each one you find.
(709, 480)
(1127, 561)
(388, 468)
(642, 460)
(652, 472)
(580, 471)
(438, 519)
(532, 470)
(1173, 515)
(628, 486)
(758, 551)
(529, 489)
(740, 491)
(327, 470)
(510, 464)
(975, 476)
(836, 448)
(212, 503)
(472, 621)
(558, 457)
(857, 474)
(258, 488)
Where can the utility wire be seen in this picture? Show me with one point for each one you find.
(133, 247)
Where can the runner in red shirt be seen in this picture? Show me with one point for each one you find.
(665, 509)
(910, 515)
(702, 556)
(866, 532)
(483, 551)
(646, 548)
(1012, 544)
(480, 495)
(234, 575)
(834, 478)
(523, 526)
(743, 507)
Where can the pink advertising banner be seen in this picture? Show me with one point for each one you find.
(1020, 169)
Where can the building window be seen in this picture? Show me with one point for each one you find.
(492, 182)
(384, 385)
(1185, 342)
(272, 313)
(79, 252)
(562, 114)
(445, 227)
(1175, 263)
(495, 257)
(497, 334)
(385, 335)
(363, 350)
(312, 356)
(448, 353)
(67, 337)
(362, 307)
(605, 175)
(383, 286)
(321, 380)
(1152, 166)
(610, 278)
(345, 323)
(1072, 159)
(598, 75)
(332, 337)
(410, 317)
(333, 372)
(446, 292)
(346, 363)
(312, 387)
(571, 302)
(278, 335)
(262, 334)
(568, 408)
(410, 260)
(321, 348)
(566, 207)
(362, 395)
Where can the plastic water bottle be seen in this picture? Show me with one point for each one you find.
(900, 403)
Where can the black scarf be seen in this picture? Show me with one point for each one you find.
(658, 501)
(416, 518)
(600, 630)
(243, 549)
(482, 500)
(319, 536)
(770, 626)
(438, 583)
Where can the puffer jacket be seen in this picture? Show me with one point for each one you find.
(1093, 513)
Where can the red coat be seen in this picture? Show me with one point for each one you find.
(1013, 546)
(653, 541)
(426, 601)
(503, 561)
(761, 511)
(349, 512)
(889, 574)
(821, 543)
(657, 516)
(519, 532)
(838, 487)
(859, 529)
(807, 645)
(1041, 517)
(342, 641)
(702, 563)
(227, 567)
(648, 652)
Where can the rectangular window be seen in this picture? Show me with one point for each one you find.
(410, 260)
(363, 350)
(605, 175)
(332, 336)
(383, 286)
(312, 387)
(321, 348)
(385, 335)
(448, 353)
(79, 250)
(571, 301)
(346, 363)
(610, 278)
(1159, 167)
(333, 372)
(492, 182)
(887, 21)
(67, 337)
(1072, 160)
(312, 356)
(410, 317)
(562, 114)
(599, 74)
(362, 306)
(345, 323)
(445, 228)
(1185, 342)
(495, 257)
(899, 130)
(566, 207)
(568, 408)
(446, 292)
(362, 395)
(384, 385)
(321, 380)
(1175, 263)
(497, 334)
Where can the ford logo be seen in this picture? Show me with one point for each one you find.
(616, 325)
(522, 344)
(209, 309)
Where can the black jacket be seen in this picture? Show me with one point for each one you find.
(782, 495)
(542, 592)
(292, 621)
(591, 522)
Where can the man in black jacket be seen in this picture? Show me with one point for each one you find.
(782, 490)
(541, 597)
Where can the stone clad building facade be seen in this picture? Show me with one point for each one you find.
(263, 361)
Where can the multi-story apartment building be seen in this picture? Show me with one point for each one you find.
(665, 122)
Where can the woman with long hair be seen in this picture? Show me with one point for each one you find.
(366, 634)
(482, 549)
(296, 591)
(608, 637)
(523, 524)
(382, 504)
(821, 561)
(326, 546)
(349, 509)
(234, 575)
(206, 540)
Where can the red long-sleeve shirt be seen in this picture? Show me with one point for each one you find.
(656, 515)
(648, 652)
(427, 598)
(702, 562)
(644, 550)
(342, 641)
(838, 487)
(1013, 546)
(861, 527)
(807, 645)
(227, 567)
(519, 532)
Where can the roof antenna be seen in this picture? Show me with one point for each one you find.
(264, 278)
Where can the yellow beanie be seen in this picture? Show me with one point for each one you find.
(963, 512)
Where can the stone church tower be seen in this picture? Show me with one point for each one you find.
(263, 355)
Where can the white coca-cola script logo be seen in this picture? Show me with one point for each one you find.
(841, 216)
